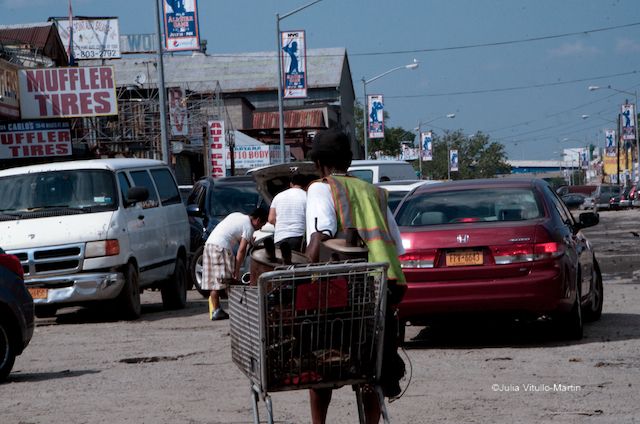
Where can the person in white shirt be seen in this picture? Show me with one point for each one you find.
(288, 214)
(218, 263)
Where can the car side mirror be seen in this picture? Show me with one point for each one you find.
(588, 219)
(137, 194)
(193, 210)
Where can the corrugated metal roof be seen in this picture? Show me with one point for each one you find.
(236, 72)
(313, 118)
(42, 37)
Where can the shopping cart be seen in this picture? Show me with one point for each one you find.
(310, 326)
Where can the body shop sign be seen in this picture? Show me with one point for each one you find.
(28, 139)
(68, 92)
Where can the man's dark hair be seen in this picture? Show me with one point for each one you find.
(299, 180)
(261, 213)
(332, 148)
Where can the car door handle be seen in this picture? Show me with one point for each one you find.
(140, 217)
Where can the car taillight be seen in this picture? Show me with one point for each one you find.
(421, 259)
(102, 248)
(525, 252)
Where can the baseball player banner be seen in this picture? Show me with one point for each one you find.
(181, 25)
(294, 64)
(453, 160)
(178, 113)
(610, 144)
(426, 144)
(375, 109)
(628, 122)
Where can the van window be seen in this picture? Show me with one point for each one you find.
(363, 174)
(169, 194)
(125, 185)
(142, 179)
(58, 192)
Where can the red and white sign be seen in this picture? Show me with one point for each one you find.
(29, 139)
(217, 149)
(68, 92)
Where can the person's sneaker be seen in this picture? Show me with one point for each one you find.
(219, 314)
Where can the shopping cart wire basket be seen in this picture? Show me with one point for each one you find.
(310, 326)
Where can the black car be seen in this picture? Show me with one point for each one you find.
(210, 201)
(16, 313)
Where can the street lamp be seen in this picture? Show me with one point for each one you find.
(365, 107)
(279, 57)
(635, 119)
(418, 129)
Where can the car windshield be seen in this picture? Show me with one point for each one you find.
(84, 190)
(226, 199)
(473, 205)
(394, 199)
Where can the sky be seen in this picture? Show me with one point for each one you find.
(516, 70)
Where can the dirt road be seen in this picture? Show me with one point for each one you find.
(175, 367)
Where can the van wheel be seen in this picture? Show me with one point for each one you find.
(7, 349)
(174, 290)
(128, 301)
(196, 272)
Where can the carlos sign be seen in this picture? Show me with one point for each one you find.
(67, 92)
(28, 139)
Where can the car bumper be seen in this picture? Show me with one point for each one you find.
(537, 293)
(76, 288)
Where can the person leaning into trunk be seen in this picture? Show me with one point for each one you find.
(234, 233)
(338, 202)
(288, 212)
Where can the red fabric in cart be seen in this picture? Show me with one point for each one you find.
(332, 293)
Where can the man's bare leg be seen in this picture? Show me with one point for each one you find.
(319, 399)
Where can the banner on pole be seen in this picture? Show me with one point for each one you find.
(294, 64)
(610, 144)
(375, 121)
(426, 144)
(181, 25)
(217, 149)
(453, 160)
(178, 113)
(628, 122)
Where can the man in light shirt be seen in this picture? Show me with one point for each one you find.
(218, 263)
(288, 214)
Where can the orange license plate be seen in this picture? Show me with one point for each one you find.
(38, 293)
(464, 258)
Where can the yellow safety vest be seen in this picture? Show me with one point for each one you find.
(363, 206)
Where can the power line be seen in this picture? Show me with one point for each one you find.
(499, 43)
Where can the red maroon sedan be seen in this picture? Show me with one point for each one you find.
(497, 246)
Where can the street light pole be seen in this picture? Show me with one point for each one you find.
(418, 129)
(280, 74)
(164, 141)
(635, 119)
(365, 106)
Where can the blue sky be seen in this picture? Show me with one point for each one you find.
(528, 95)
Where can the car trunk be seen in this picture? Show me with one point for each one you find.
(462, 252)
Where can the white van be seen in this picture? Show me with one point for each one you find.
(375, 171)
(96, 230)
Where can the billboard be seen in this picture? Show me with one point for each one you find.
(294, 64)
(181, 25)
(67, 92)
(375, 120)
(29, 139)
(217, 149)
(426, 145)
(9, 98)
(91, 38)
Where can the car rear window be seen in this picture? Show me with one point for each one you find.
(227, 199)
(469, 205)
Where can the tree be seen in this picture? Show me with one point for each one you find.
(478, 157)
